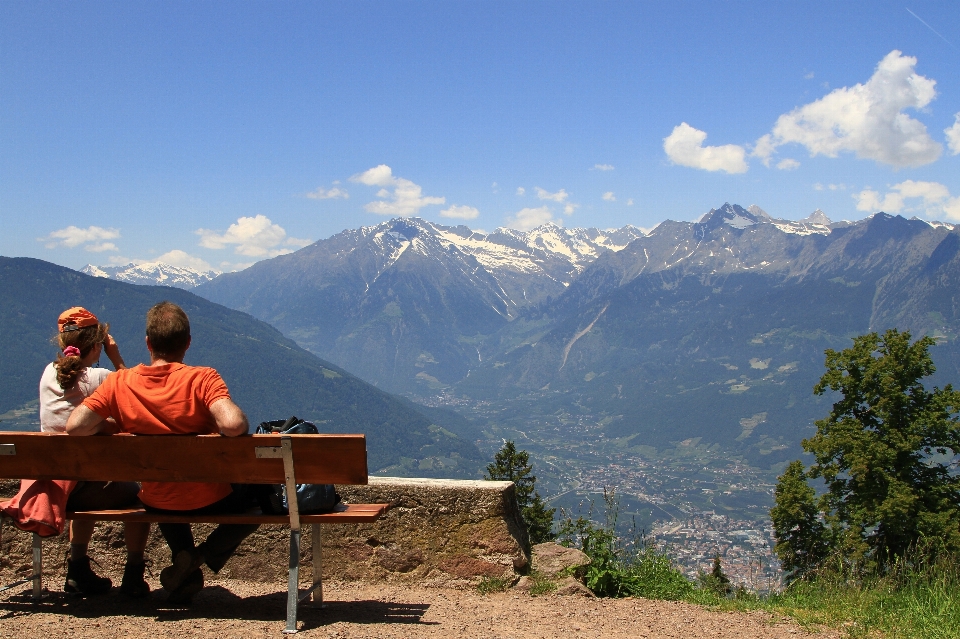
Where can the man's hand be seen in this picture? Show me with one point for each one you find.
(83, 421)
(229, 418)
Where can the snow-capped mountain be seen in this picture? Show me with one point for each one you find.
(153, 273)
(554, 252)
(412, 305)
(427, 288)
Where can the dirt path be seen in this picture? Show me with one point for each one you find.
(238, 609)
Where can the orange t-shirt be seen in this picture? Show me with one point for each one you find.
(172, 399)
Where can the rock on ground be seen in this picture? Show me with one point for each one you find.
(551, 559)
(241, 609)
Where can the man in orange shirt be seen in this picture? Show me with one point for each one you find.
(167, 397)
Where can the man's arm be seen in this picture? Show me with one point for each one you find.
(229, 418)
(83, 421)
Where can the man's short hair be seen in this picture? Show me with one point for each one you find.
(168, 330)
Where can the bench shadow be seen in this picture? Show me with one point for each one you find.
(216, 602)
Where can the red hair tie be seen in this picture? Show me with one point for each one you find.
(71, 351)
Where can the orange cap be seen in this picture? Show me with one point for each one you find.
(73, 319)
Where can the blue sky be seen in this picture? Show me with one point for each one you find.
(221, 133)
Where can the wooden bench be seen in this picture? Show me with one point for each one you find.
(250, 459)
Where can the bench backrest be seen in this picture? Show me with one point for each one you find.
(318, 459)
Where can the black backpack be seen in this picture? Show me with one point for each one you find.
(312, 499)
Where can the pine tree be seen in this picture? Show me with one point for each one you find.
(801, 535)
(721, 582)
(886, 453)
(509, 464)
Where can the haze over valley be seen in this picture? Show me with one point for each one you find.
(675, 365)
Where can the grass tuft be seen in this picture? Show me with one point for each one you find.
(490, 585)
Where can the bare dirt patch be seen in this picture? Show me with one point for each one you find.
(244, 609)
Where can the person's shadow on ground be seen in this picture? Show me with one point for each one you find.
(216, 602)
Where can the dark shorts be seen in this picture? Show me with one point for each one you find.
(103, 495)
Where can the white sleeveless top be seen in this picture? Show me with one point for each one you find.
(56, 404)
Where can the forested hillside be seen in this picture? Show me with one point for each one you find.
(269, 376)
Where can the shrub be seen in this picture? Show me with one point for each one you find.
(620, 568)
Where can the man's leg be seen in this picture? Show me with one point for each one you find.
(183, 579)
(223, 542)
(179, 537)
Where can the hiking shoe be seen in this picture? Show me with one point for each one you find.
(183, 596)
(82, 579)
(184, 564)
(133, 584)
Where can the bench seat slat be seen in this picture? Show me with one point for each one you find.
(345, 514)
(350, 514)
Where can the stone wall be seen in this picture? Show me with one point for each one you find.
(437, 531)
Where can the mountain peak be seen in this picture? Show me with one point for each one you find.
(817, 217)
(756, 210)
(733, 215)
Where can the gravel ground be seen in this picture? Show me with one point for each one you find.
(241, 609)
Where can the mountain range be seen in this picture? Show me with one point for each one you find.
(707, 333)
(269, 376)
(710, 332)
(157, 273)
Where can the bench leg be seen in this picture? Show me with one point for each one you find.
(317, 565)
(37, 566)
(293, 583)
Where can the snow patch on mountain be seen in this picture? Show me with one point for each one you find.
(936, 223)
(152, 273)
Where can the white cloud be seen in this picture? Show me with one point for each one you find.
(865, 119)
(630, 202)
(460, 212)
(405, 199)
(953, 135)
(788, 164)
(176, 257)
(935, 201)
(495, 187)
(609, 196)
(603, 167)
(528, 219)
(808, 76)
(559, 196)
(684, 146)
(91, 237)
(521, 190)
(380, 175)
(119, 260)
(333, 193)
(870, 201)
(100, 247)
(569, 208)
(253, 237)
(832, 187)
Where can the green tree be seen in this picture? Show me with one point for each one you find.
(887, 453)
(514, 465)
(716, 581)
(797, 525)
